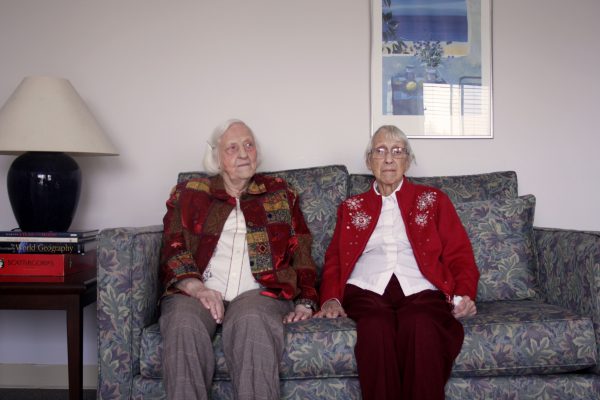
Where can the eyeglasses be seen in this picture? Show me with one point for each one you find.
(234, 148)
(396, 152)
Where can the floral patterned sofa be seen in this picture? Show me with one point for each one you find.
(536, 335)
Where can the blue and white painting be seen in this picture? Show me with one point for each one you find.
(429, 20)
(428, 45)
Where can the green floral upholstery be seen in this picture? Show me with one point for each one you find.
(126, 303)
(540, 348)
(529, 387)
(501, 232)
(569, 272)
(325, 348)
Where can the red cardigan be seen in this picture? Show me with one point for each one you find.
(279, 241)
(438, 239)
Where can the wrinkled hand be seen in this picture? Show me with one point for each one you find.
(331, 309)
(300, 313)
(466, 308)
(209, 298)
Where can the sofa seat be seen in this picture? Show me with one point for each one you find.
(524, 337)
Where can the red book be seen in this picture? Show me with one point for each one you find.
(46, 264)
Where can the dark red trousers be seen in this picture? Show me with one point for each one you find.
(406, 345)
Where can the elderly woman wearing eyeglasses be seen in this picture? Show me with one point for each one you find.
(236, 253)
(400, 264)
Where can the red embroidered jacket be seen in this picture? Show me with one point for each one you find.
(279, 242)
(438, 239)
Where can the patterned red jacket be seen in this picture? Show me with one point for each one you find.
(438, 239)
(279, 242)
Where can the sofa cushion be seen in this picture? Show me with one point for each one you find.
(317, 348)
(321, 190)
(523, 337)
(460, 188)
(501, 232)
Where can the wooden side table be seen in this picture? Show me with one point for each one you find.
(72, 295)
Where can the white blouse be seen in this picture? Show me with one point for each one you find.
(228, 271)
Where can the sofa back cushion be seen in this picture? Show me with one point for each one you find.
(460, 188)
(501, 232)
(321, 190)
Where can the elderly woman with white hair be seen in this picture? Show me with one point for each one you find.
(236, 253)
(400, 264)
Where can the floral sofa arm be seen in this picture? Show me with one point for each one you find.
(128, 287)
(569, 272)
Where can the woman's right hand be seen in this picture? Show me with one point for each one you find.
(211, 299)
(331, 309)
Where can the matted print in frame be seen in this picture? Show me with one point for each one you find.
(431, 67)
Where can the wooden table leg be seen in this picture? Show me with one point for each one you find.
(71, 294)
(75, 347)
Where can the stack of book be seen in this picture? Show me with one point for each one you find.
(47, 253)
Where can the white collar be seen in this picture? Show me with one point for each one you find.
(394, 192)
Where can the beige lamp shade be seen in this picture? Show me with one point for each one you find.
(46, 114)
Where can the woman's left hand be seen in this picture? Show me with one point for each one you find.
(466, 308)
(300, 313)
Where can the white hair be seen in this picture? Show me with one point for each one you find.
(212, 163)
(391, 132)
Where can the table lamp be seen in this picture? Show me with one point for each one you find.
(45, 121)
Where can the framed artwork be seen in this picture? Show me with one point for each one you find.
(431, 67)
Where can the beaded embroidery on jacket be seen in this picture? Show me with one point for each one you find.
(425, 203)
(361, 219)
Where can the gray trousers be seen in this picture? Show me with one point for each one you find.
(252, 343)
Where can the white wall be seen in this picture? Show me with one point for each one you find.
(160, 75)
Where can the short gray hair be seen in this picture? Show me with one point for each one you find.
(393, 132)
(212, 163)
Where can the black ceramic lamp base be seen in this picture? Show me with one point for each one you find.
(43, 189)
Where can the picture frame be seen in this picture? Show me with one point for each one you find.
(431, 67)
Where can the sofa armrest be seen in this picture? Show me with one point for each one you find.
(128, 262)
(569, 272)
